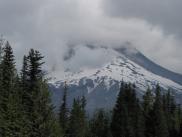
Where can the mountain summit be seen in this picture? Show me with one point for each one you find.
(101, 85)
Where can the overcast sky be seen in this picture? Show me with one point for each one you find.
(60, 29)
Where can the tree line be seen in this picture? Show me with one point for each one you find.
(26, 109)
(155, 115)
(25, 104)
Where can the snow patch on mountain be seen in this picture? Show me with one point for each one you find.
(120, 68)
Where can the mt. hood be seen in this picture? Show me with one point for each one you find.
(101, 85)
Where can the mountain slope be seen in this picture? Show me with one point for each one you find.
(101, 86)
(141, 60)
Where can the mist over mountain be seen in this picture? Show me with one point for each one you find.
(101, 85)
(143, 61)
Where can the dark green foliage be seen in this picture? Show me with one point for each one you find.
(25, 90)
(24, 73)
(37, 103)
(11, 116)
(77, 123)
(118, 118)
(25, 105)
(100, 125)
(172, 114)
(35, 73)
(26, 109)
(63, 115)
(1, 47)
(8, 70)
(148, 100)
(180, 121)
(180, 131)
(158, 117)
(1, 56)
(127, 119)
(147, 104)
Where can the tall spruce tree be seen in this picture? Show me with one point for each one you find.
(180, 131)
(148, 100)
(8, 70)
(63, 115)
(170, 112)
(99, 124)
(180, 120)
(39, 110)
(139, 121)
(119, 116)
(1, 47)
(77, 124)
(25, 87)
(1, 53)
(10, 110)
(127, 120)
(24, 73)
(158, 116)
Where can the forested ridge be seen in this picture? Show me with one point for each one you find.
(26, 109)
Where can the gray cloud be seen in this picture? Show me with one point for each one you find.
(91, 46)
(51, 25)
(165, 13)
(69, 54)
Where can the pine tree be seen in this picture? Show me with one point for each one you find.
(170, 111)
(127, 117)
(148, 100)
(147, 104)
(1, 53)
(180, 120)
(77, 124)
(99, 124)
(39, 110)
(24, 73)
(139, 125)
(24, 83)
(135, 114)
(83, 104)
(63, 115)
(158, 117)
(35, 72)
(119, 116)
(180, 131)
(8, 70)
(1, 47)
(10, 110)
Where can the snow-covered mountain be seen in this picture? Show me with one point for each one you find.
(101, 85)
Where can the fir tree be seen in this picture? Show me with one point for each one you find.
(158, 117)
(127, 117)
(25, 85)
(180, 120)
(139, 125)
(24, 73)
(99, 125)
(1, 53)
(39, 110)
(63, 115)
(180, 131)
(11, 116)
(8, 70)
(147, 104)
(77, 124)
(119, 116)
(1, 47)
(148, 100)
(170, 112)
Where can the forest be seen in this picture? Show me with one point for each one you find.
(26, 109)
